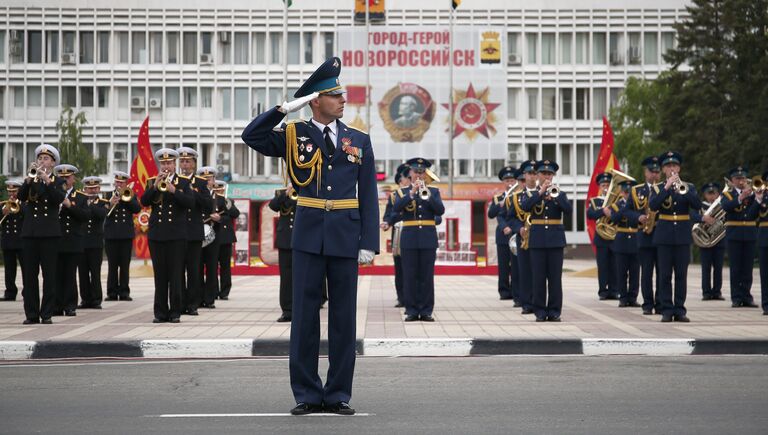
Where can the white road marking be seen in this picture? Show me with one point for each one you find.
(262, 414)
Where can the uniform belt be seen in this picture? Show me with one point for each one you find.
(328, 204)
(740, 224)
(763, 224)
(546, 221)
(674, 218)
(419, 223)
(626, 230)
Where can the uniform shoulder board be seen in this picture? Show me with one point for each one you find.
(294, 121)
(183, 176)
(593, 203)
(656, 188)
(400, 193)
(528, 193)
(728, 195)
(74, 193)
(392, 198)
(106, 201)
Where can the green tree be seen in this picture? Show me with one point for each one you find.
(71, 148)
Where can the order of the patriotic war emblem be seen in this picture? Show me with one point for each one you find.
(407, 111)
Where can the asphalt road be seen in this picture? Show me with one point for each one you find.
(478, 395)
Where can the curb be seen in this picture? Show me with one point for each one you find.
(381, 347)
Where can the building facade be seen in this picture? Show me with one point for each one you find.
(202, 70)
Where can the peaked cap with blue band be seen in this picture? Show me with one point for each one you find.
(671, 157)
(739, 171)
(507, 172)
(603, 178)
(325, 80)
(419, 164)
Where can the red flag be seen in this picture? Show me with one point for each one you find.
(605, 161)
(142, 168)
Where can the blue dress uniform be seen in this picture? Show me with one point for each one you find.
(606, 265)
(286, 209)
(10, 241)
(673, 242)
(509, 286)
(712, 259)
(624, 247)
(118, 242)
(646, 250)
(762, 247)
(40, 233)
(167, 238)
(225, 238)
(72, 220)
(333, 170)
(740, 239)
(392, 218)
(89, 269)
(516, 220)
(546, 243)
(418, 246)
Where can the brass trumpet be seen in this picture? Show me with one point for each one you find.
(126, 194)
(294, 196)
(162, 185)
(680, 186)
(13, 206)
(757, 184)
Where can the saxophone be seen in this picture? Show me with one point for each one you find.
(650, 223)
(527, 235)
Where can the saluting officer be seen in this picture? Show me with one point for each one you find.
(711, 258)
(547, 242)
(170, 197)
(191, 295)
(225, 238)
(89, 268)
(646, 249)
(336, 226)
(498, 209)
(606, 264)
(285, 205)
(740, 235)
(762, 243)
(119, 232)
(624, 247)
(516, 220)
(73, 215)
(12, 219)
(674, 202)
(209, 258)
(393, 220)
(41, 198)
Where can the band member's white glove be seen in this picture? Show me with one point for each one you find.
(365, 256)
(292, 106)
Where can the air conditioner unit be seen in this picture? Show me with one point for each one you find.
(224, 37)
(15, 35)
(206, 59)
(514, 59)
(137, 103)
(616, 59)
(68, 59)
(155, 103)
(120, 155)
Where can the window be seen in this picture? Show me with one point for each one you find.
(259, 99)
(51, 96)
(173, 46)
(121, 44)
(241, 48)
(599, 107)
(172, 97)
(190, 47)
(155, 92)
(274, 47)
(293, 48)
(68, 41)
(122, 97)
(667, 42)
(34, 96)
(103, 43)
(259, 49)
(580, 215)
(565, 48)
(512, 103)
(308, 44)
(616, 41)
(533, 103)
(582, 48)
(35, 46)
(582, 103)
(2, 58)
(139, 47)
(18, 96)
(156, 47)
(190, 96)
(615, 94)
(548, 49)
(206, 97)
(548, 103)
(226, 104)
(2, 90)
(52, 46)
(565, 159)
(86, 47)
(206, 39)
(481, 168)
(328, 44)
(102, 93)
(532, 151)
(582, 158)
(513, 47)
(566, 103)
(651, 48)
(598, 48)
(549, 152)
(68, 96)
(532, 47)
(634, 48)
(225, 48)
(241, 104)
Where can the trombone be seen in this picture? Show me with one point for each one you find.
(126, 194)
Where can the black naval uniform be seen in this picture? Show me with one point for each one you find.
(11, 244)
(93, 248)
(225, 237)
(72, 220)
(40, 234)
(210, 260)
(167, 241)
(118, 241)
(191, 293)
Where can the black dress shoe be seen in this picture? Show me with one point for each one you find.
(399, 305)
(750, 304)
(111, 298)
(7, 299)
(57, 313)
(517, 304)
(526, 311)
(30, 321)
(126, 298)
(284, 318)
(603, 297)
(156, 320)
(224, 298)
(623, 304)
(553, 319)
(647, 312)
(706, 298)
(718, 298)
(70, 313)
(426, 318)
(634, 304)
(665, 318)
(306, 408)
(765, 313)
(192, 312)
(341, 408)
(612, 297)
(47, 321)
(175, 320)
(411, 318)
(207, 305)
(541, 319)
(737, 304)
(682, 318)
(505, 298)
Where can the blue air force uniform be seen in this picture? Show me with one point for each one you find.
(11, 243)
(605, 261)
(391, 218)
(673, 242)
(646, 250)
(499, 208)
(712, 259)
(333, 169)
(624, 247)
(418, 246)
(516, 221)
(762, 246)
(547, 242)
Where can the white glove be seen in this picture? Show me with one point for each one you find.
(365, 256)
(292, 106)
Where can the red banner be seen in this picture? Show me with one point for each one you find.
(606, 160)
(142, 168)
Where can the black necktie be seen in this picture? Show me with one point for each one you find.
(329, 147)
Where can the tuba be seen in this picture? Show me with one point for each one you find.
(706, 235)
(605, 228)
